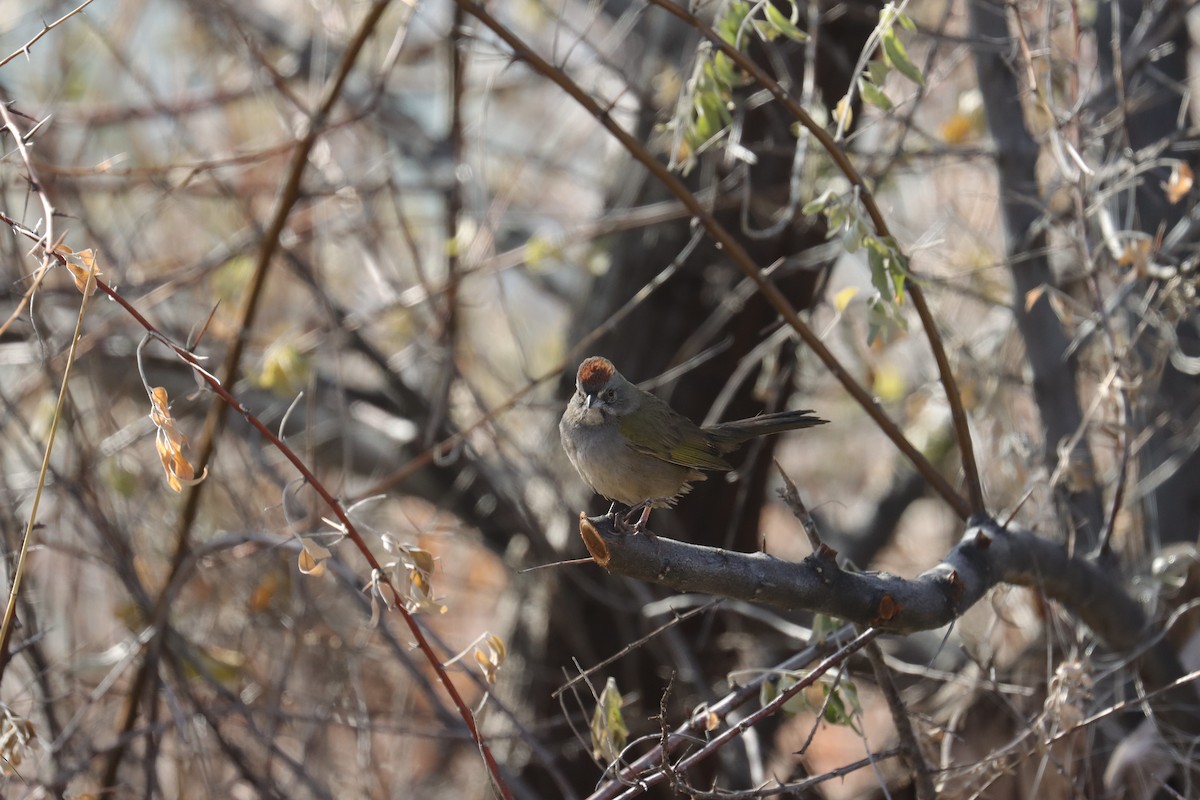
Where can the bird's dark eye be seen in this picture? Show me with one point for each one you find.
(608, 395)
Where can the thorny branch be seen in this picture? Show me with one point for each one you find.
(987, 556)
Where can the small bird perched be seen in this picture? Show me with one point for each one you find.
(633, 448)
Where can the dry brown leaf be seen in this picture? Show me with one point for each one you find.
(263, 593)
(1033, 295)
(1137, 255)
(490, 656)
(83, 269)
(310, 565)
(1180, 182)
(170, 443)
(311, 560)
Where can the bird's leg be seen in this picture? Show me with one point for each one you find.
(640, 525)
(624, 523)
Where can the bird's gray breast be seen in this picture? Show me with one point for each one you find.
(599, 455)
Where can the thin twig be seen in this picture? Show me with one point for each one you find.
(799, 788)
(49, 252)
(19, 570)
(910, 748)
(791, 496)
(629, 648)
(439, 407)
(24, 50)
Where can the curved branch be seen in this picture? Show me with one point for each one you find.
(987, 556)
(736, 252)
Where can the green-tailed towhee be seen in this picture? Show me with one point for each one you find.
(633, 448)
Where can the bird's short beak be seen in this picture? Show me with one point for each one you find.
(591, 398)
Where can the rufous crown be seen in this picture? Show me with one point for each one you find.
(594, 374)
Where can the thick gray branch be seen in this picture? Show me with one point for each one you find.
(986, 556)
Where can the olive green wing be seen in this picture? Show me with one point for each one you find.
(656, 430)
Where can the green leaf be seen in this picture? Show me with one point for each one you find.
(797, 703)
(884, 321)
(714, 105)
(700, 131)
(899, 271)
(835, 709)
(730, 24)
(852, 240)
(768, 690)
(877, 261)
(824, 626)
(837, 214)
(873, 95)
(818, 204)
(609, 733)
(725, 71)
(766, 31)
(896, 54)
(877, 71)
(784, 25)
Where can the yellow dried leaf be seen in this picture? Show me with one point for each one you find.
(158, 405)
(844, 113)
(956, 128)
(312, 557)
(418, 581)
(419, 594)
(285, 369)
(487, 665)
(497, 644)
(1061, 309)
(841, 300)
(888, 383)
(17, 736)
(490, 656)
